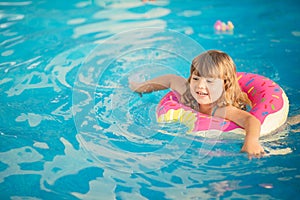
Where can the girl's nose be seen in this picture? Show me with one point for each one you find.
(202, 83)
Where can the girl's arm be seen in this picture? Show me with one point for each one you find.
(252, 128)
(172, 81)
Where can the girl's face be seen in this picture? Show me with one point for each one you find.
(206, 90)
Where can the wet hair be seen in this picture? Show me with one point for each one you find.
(217, 64)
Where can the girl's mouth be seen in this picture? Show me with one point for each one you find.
(202, 93)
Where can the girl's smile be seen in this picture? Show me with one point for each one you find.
(202, 93)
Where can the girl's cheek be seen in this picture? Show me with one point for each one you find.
(216, 91)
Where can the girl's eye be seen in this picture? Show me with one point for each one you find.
(195, 78)
(210, 80)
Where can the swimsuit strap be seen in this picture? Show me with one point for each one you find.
(214, 110)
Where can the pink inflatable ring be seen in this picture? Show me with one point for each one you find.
(269, 104)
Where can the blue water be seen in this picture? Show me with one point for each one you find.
(71, 129)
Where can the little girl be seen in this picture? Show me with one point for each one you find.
(212, 89)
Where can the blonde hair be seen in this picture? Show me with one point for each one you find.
(217, 64)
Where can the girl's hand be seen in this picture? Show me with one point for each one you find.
(134, 86)
(253, 148)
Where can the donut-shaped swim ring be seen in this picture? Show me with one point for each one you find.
(269, 104)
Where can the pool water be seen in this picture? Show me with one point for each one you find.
(72, 129)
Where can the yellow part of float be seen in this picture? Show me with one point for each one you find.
(186, 117)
